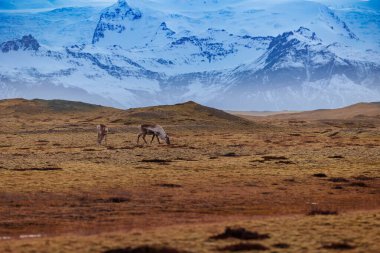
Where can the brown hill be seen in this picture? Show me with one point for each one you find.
(78, 114)
(38, 106)
(361, 110)
(189, 112)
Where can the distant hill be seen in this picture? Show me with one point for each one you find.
(349, 112)
(38, 106)
(184, 112)
(259, 113)
(189, 113)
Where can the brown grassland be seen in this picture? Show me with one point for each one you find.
(309, 182)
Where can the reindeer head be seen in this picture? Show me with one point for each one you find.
(167, 140)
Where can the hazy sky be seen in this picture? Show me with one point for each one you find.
(42, 4)
(37, 4)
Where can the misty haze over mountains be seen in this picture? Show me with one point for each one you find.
(238, 55)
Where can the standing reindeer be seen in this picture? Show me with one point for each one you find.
(155, 130)
(102, 133)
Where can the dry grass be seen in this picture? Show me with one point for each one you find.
(220, 171)
(287, 234)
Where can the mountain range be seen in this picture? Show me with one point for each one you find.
(238, 55)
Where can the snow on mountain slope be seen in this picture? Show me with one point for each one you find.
(138, 24)
(167, 45)
(365, 23)
(256, 55)
(9, 5)
(298, 70)
(328, 93)
(55, 28)
(74, 69)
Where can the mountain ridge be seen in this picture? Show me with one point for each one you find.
(37, 106)
(140, 57)
(177, 114)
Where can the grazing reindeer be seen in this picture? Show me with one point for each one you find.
(102, 133)
(155, 130)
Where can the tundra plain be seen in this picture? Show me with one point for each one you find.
(308, 182)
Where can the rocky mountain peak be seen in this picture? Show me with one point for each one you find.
(307, 33)
(27, 42)
(123, 4)
(166, 30)
(114, 19)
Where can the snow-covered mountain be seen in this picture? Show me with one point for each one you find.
(244, 54)
(53, 28)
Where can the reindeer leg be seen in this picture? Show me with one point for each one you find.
(144, 138)
(158, 139)
(138, 138)
(152, 138)
(105, 139)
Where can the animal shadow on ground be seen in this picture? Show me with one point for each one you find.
(145, 249)
(239, 233)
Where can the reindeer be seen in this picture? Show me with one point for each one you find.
(102, 133)
(155, 130)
